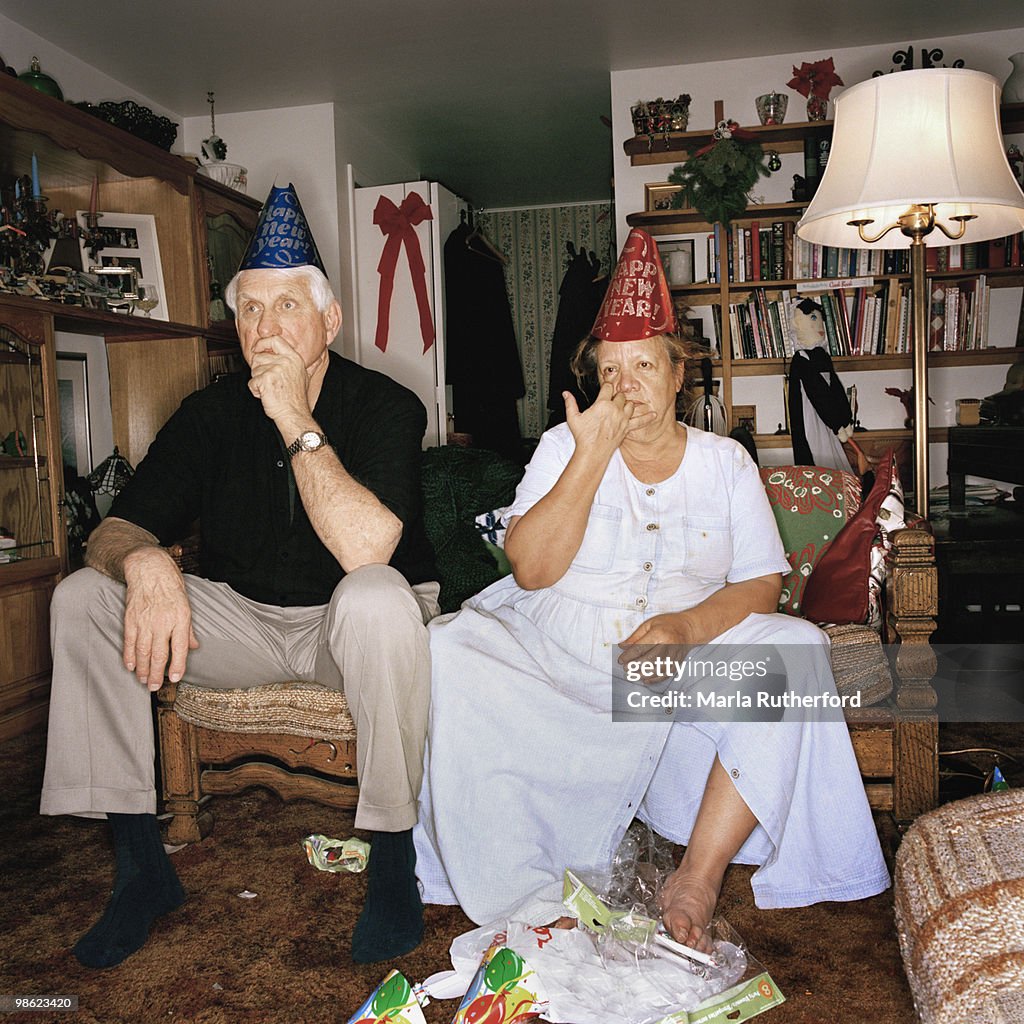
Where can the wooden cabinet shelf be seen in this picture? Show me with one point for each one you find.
(978, 357)
(689, 221)
(152, 364)
(676, 146)
(74, 147)
(936, 435)
(20, 462)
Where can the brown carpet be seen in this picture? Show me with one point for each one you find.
(284, 956)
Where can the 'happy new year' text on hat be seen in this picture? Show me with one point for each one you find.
(282, 237)
(638, 303)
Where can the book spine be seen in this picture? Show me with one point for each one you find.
(830, 325)
(937, 317)
(753, 235)
(778, 251)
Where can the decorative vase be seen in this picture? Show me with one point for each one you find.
(1013, 87)
(817, 108)
(678, 117)
(771, 107)
(40, 81)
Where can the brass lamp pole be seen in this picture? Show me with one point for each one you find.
(917, 223)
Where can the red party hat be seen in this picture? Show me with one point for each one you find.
(638, 303)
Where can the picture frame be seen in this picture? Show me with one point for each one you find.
(130, 240)
(658, 195)
(677, 258)
(744, 416)
(73, 403)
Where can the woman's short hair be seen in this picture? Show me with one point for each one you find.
(319, 287)
(680, 349)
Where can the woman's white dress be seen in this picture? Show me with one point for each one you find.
(526, 773)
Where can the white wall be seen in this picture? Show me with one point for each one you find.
(362, 157)
(316, 148)
(289, 144)
(78, 80)
(737, 83)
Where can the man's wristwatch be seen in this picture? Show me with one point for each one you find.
(308, 441)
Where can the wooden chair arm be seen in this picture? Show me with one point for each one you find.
(186, 554)
(911, 607)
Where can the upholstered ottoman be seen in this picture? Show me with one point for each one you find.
(960, 910)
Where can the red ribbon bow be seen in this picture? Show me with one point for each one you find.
(736, 132)
(398, 225)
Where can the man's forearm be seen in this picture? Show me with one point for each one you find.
(111, 542)
(350, 520)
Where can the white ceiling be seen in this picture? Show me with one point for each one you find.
(501, 100)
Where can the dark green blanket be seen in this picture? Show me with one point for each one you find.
(458, 485)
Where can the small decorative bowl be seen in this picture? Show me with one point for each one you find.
(233, 175)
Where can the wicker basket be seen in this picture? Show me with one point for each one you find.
(960, 910)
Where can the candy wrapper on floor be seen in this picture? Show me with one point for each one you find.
(614, 967)
(392, 1001)
(326, 854)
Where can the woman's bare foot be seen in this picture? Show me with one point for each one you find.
(687, 901)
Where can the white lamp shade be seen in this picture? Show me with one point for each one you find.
(916, 137)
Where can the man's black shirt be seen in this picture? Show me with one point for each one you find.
(221, 460)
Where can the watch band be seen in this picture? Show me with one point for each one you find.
(308, 441)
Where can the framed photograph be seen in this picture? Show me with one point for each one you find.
(744, 416)
(677, 259)
(658, 195)
(73, 401)
(129, 240)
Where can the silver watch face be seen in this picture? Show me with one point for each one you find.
(311, 440)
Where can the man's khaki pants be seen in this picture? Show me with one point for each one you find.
(370, 640)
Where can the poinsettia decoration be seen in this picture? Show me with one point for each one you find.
(815, 79)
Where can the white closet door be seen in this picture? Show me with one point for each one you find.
(404, 359)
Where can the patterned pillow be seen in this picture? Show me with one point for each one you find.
(811, 505)
(840, 591)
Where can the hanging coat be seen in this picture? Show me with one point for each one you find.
(482, 358)
(579, 299)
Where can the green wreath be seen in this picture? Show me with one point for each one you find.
(717, 181)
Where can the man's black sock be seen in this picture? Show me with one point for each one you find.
(145, 887)
(392, 919)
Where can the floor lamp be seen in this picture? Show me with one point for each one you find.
(917, 160)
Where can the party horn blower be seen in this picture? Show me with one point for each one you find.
(392, 1002)
(504, 990)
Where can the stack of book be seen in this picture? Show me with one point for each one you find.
(774, 252)
(862, 318)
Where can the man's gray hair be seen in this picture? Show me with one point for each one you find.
(319, 287)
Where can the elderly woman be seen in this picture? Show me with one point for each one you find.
(630, 528)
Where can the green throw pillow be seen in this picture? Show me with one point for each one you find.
(811, 505)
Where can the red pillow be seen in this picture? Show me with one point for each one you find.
(837, 590)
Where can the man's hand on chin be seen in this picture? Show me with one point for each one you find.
(279, 379)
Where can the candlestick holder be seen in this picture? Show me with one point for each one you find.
(92, 237)
(26, 228)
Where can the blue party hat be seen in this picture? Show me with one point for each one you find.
(282, 238)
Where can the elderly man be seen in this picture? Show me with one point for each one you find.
(304, 477)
